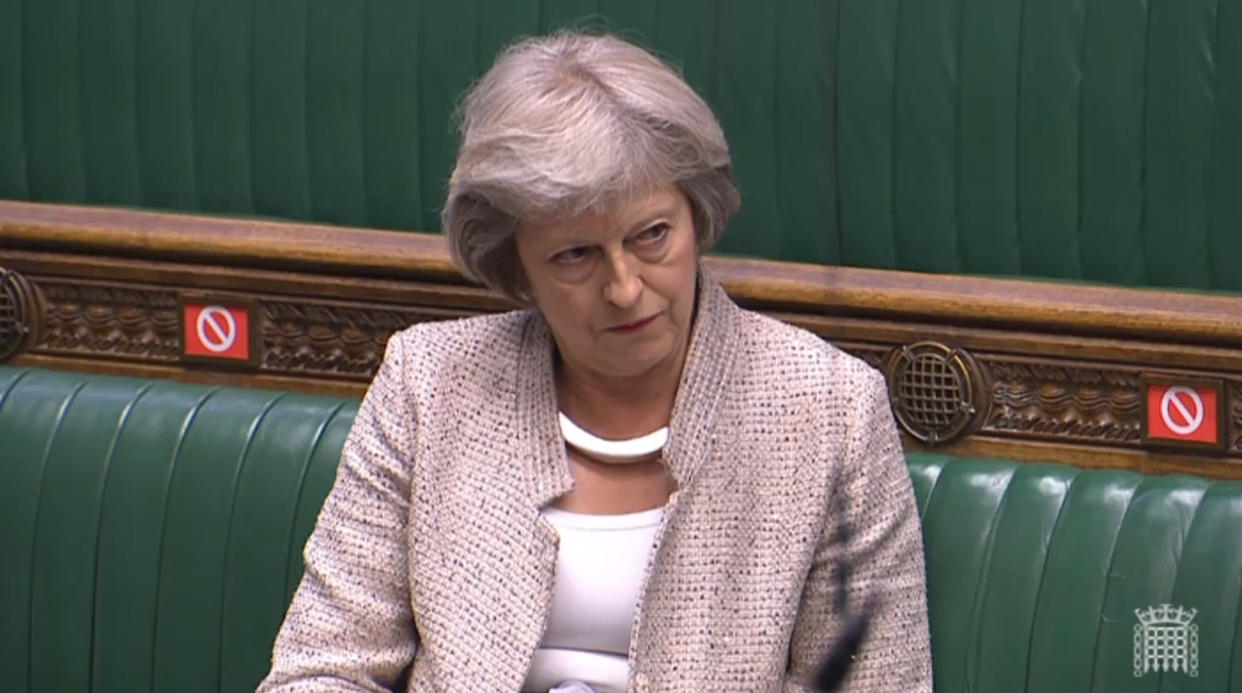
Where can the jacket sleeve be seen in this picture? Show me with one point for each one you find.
(349, 626)
(884, 554)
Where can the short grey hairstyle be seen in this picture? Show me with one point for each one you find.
(570, 124)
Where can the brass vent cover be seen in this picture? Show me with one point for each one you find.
(933, 389)
(18, 313)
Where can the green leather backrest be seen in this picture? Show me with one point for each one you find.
(1095, 140)
(151, 535)
(1035, 571)
(1078, 139)
(340, 111)
(151, 532)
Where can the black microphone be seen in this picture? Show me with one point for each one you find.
(836, 664)
(839, 658)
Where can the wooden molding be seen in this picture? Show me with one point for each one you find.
(342, 251)
(1055, 370)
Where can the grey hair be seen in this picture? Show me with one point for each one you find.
(571, 124)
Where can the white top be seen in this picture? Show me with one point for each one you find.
(599, 572)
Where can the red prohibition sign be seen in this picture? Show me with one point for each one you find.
(216, 331)
(1182, 410)
(216, 328)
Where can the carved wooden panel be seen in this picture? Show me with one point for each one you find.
(1080, 403)
(297, 337)
(1059, 366)
(340, 340)
(109, 320)
(1028, 397)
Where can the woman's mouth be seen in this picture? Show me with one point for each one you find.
(634, 326)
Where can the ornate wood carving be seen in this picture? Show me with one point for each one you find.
(109, 320)
(1059, 365)
(308, 338)
(297, 337)
(1063, 402)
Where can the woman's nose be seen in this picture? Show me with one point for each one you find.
(625, 285)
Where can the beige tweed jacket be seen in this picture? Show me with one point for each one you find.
(430, 552)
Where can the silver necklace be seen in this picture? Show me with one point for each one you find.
(612, 450)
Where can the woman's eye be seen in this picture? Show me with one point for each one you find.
(569, 256)
(655, 234)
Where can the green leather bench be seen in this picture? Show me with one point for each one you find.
(151, 533)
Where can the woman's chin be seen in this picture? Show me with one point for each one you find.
(640, 359)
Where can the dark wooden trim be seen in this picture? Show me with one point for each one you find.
(1208, 319)
(337, 387)
(228, 241)
(1055, 370)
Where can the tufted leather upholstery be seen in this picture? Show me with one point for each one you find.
(150, 535)
(151, 532)
(340, 112)
(1035, 570)
(1093, 140)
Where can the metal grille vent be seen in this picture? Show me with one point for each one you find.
(17, 308)
(932, 388)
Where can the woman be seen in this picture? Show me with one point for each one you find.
(631, 484)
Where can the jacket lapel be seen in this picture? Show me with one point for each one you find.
(531, 464)
(704, 380)
(539, 435)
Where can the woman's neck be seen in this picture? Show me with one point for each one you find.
(619, 408)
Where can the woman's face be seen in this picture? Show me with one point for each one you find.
(617, 288)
